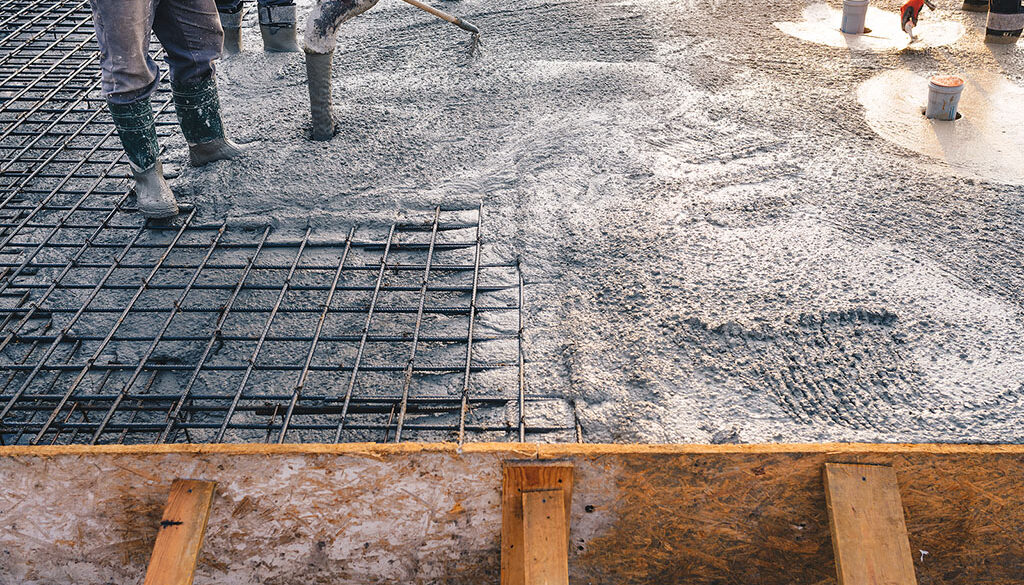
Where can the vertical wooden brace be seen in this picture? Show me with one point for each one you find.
(182, 527)
(536, 504)
(869, 533)
(545, 550)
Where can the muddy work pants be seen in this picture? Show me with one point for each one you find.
(188, 30)
(323, 22)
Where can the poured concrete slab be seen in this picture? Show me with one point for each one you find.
(716, 244)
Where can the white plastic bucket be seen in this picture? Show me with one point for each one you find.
(854, 13)
(944, 96)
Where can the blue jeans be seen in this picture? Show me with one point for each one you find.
(188, 30)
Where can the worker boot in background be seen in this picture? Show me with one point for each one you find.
(1005, 22)
(277, 25)
(231, 22)
(318, 73)
(136, 127)
(976, 5)
(198, 109)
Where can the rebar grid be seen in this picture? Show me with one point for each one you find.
(114, 330)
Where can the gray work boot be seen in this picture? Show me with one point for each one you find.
(152, 193)
(198, 109)
(137, 129)
(318, 74)
(277, 26)
(231, 22)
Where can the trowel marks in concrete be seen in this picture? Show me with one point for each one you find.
(986, 141)
(821, 25)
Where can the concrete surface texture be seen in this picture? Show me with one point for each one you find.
(725, 236)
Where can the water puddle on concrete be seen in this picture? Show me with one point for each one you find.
(986, 141)
(821, 25)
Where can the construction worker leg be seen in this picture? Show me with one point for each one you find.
(319, 41)
(231, 21)
(128, 74)
(277, 26)
(128, 77)
(191, 35)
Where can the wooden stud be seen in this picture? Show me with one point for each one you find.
(545, 552)
(869, 533)
(518, 478)
(176, 551)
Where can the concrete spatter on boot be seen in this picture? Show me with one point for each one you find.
(200, 119)
(152, 193)
(985, 142)
(821, 25)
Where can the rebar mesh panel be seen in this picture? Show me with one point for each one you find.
(114, 330)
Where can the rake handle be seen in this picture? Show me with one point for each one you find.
(466, 26)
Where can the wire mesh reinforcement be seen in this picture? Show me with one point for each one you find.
(114, 330)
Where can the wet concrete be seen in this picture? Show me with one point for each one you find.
(717, 243)
(883, 31)
(984, 142)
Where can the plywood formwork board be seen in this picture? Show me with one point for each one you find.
(339, 514)
(518, 478)
(869, 533)
(180, 538)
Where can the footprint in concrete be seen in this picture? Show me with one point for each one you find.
(821, 25)
(986, 142)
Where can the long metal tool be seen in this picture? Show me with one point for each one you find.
(464, 25)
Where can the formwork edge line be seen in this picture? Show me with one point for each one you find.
(509, 450)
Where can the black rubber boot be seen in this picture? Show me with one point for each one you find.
(318, 74)
(137, 129)
(277, 26)
(1005, 22)
(231, 22)
(198, 109)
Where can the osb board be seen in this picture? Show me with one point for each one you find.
(431, 514)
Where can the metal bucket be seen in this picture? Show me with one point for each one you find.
(854, 13)
(1005, 22)
(944, 96)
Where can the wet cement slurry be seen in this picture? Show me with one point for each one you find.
(717, 245)
(883, 30)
